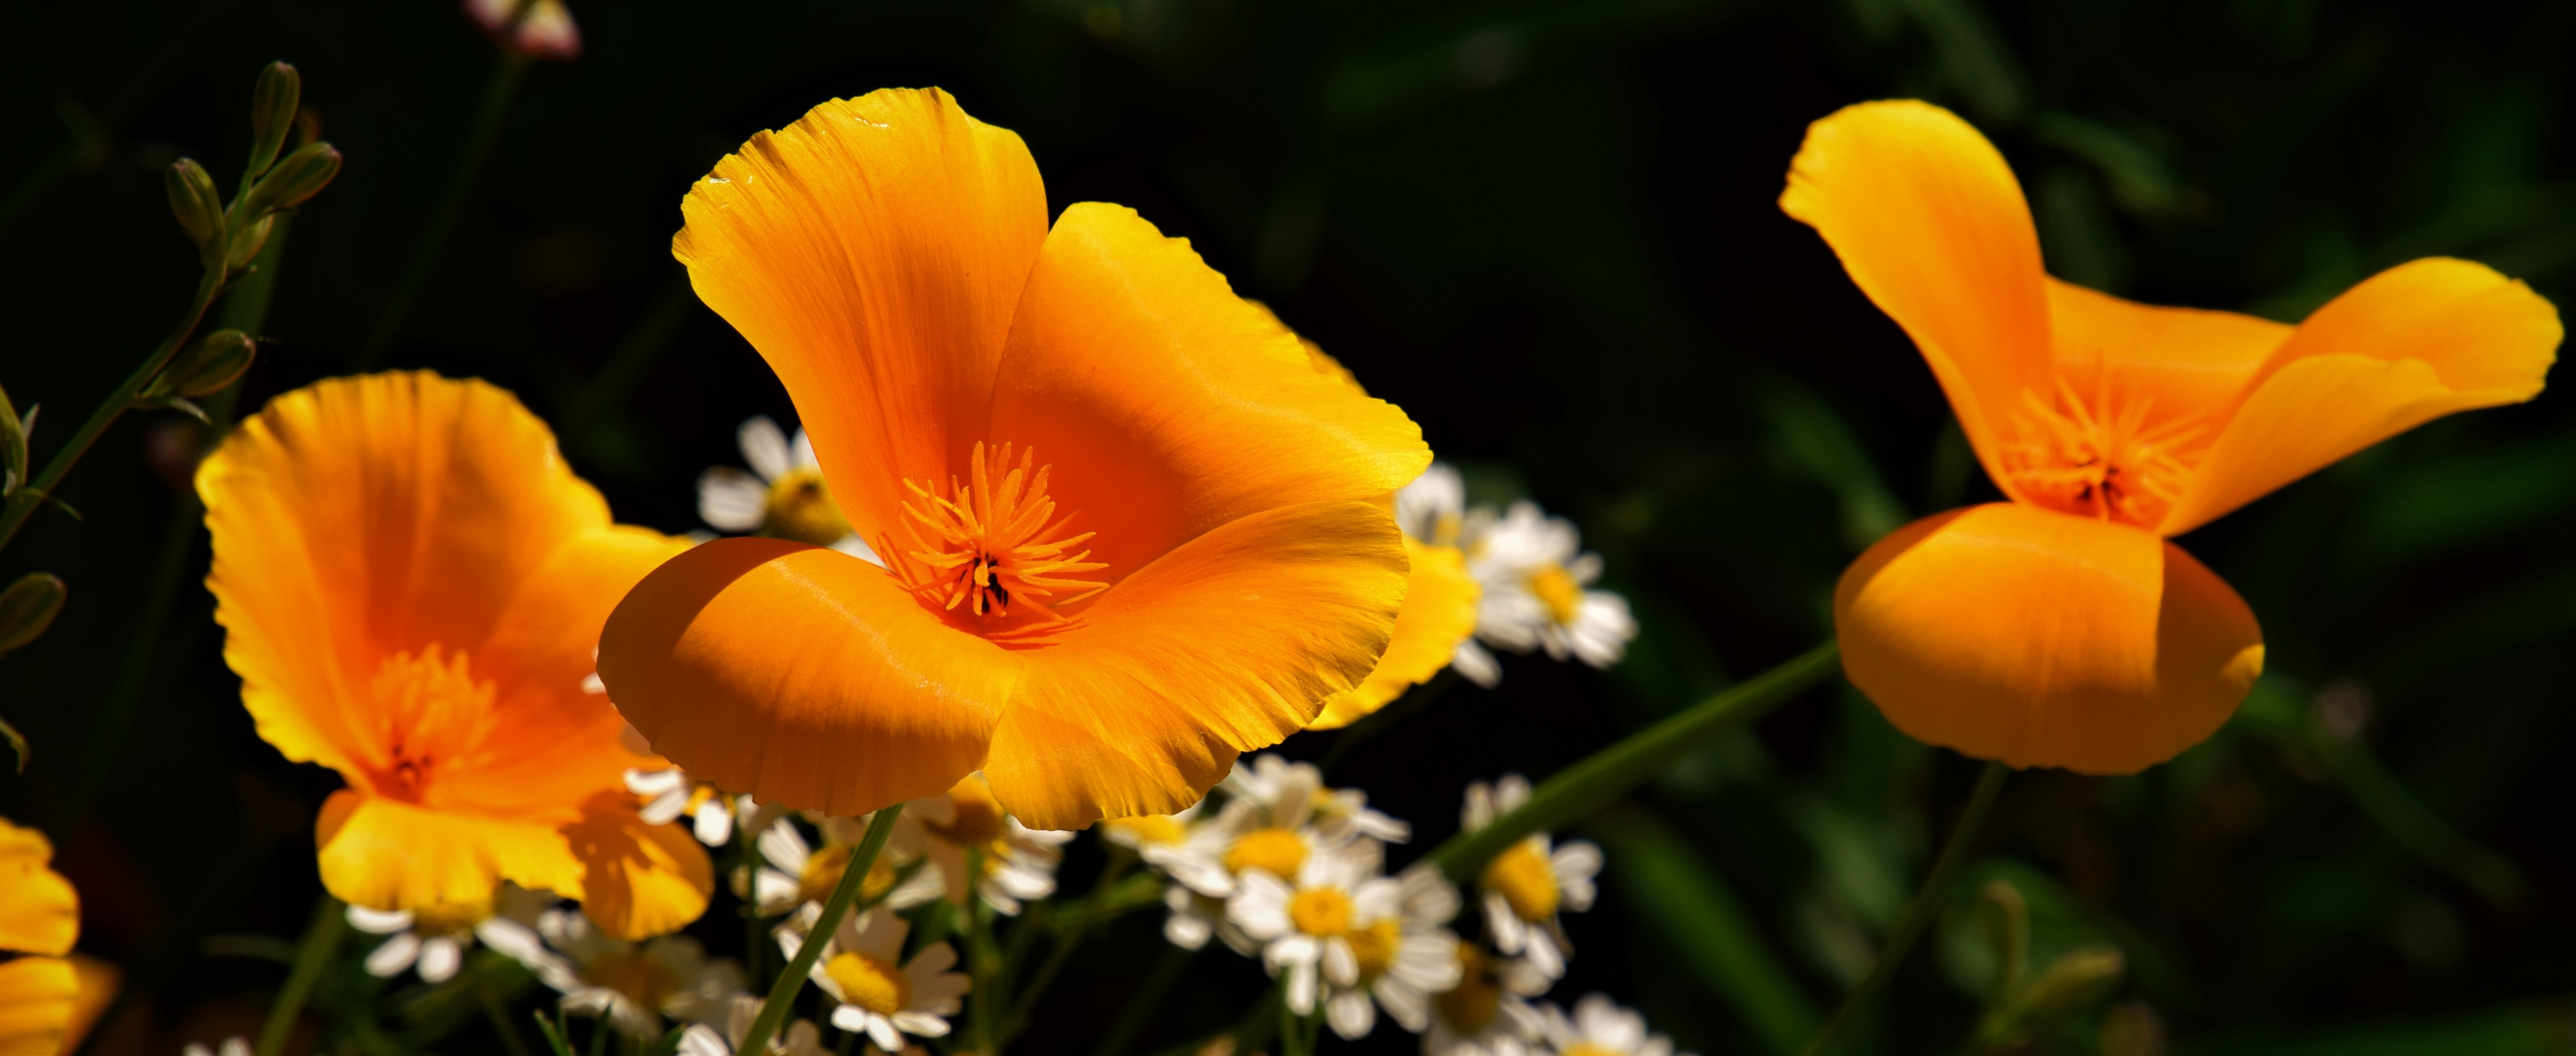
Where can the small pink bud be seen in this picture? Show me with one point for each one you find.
(539, 29)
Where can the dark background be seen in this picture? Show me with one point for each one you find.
(1548, 231)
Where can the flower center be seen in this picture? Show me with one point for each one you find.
(449, 919)
(636, 977)
(432, 715)
(1557, 587)
(801, 508)
(1373, 945)
(1275, 851)
(1526, 880)
(823, 871)
(869, 983)
(1469, 1007)
(992, 544)
(1322, 911)
(2104, 459)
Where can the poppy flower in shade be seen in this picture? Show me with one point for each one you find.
(411, 581)
(1130, 531)
(2061, 628)
(40, 989)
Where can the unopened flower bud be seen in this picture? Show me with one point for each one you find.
(13, 447)
(272, 113)
(2076, 981)
(298, 176)
(539, 29)
(27, 608)
(209, 365)
(247, 240)
(193, 197)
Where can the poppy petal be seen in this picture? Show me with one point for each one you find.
(39, 912)
(872, 253)
(1227, 644)
(801, 676)
(1930, 223)
(1168, 405)
(345, 517)
(2043, 639)
(1439, 612)
(2182, 361)
(2408, 345)
(637, 880)
(37, 997)
(385, 854)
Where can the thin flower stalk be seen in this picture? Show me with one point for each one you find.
(782, 994)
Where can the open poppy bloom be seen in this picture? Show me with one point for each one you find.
(1127, 527)
(2061, 628)
(411, 582)
(39, 917)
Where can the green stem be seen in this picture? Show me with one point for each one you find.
(1140, 1005)
(321, 940)
(27, 498)
(752, 862)
(979, 945)
(1918, 914)
(451, 202)
(2417, 827)
(782, 993)
(499, 1016)
(1610, 773)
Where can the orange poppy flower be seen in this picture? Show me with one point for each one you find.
(2061, 628)
(39, 917)
(411, 582)
(1127, 527)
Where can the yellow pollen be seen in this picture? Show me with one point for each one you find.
(1471, 1006)
(449, 918)
(431, 715)
(1526, 880)
(978, 818)
(869, 983)
(1373, 945)
(1556, 586)
(1320, 911)
(2102, 459)
(1277, 852)
(1151, 830)
(641, 979)
(801, 508)
(823, 871)
(992, 544)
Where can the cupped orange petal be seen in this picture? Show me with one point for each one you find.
(365, 516)
(2040, 638)
(39, 912)
(385, 854)
(802, 675)
(1229, 643)
(2182, 362)
(1168, 405)
(1931, 224)
(872, 252)
(637, 880)
(1439, 612)
(2406, 346)
(37, 999)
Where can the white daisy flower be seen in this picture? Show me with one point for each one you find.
(1526, 885)
(232, 1046)
(1184, 842)
(669, 795)
(1018, 862)
(784, 494)
(800, 1038)
(1277, 815)
(1290, 795)
(1484, 1015)
(433, 940)
(793, 873)
(1535, 578)
(1433, 510)
(1306, 924)
(878, 994)
(634, 985)
(1599, 1027)
(1403, 958)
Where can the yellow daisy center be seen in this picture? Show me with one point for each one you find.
(639, 978)
(869, 983)
(1320, 911)
(823, 871)
(1557, 587)
(433, 714)
(449, 918)
(1275, 851)
(1471, 1005)
(800, 507)
(2105, 459)
(1526, 880)
(1374, 945)
(992, 544)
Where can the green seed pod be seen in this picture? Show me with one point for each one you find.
(209, 365)
(298, 176)
(193, 197)
(27, 608)
(272, 113)
(247, 242)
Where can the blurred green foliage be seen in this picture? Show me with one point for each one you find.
(1547, 229)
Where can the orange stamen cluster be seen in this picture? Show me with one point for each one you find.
(2111, 461)
(433, 715)
(994, 545)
